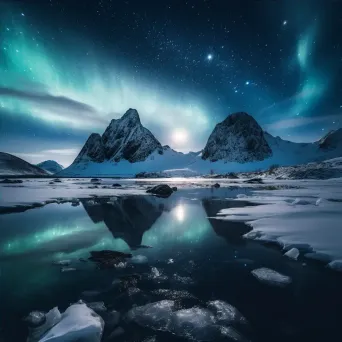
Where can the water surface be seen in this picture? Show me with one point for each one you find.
(186, 245)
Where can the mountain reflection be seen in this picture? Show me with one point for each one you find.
(128, 218)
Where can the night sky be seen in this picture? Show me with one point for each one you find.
(68, 67)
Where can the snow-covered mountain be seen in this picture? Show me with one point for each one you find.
(50, 166)
(124, 139)
(128, 139)
(238, 144)
(238, 138)
(13, 166)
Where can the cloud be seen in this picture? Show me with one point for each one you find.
(63, 156)
(56, 108)
(300, 121)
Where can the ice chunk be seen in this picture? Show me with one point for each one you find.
(293, 253)
(139, 259)
(195, 323)
(156, 316)
(155, 272)
(226, 313)
(241, 195)
(271, 277)
(51, 319)
(335, 265)
(68, 269)
(78, 323)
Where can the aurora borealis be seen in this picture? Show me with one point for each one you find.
(67, 68)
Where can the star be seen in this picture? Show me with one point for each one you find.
(247, 82)
(284, 22)
(22, 14)
(209, 57)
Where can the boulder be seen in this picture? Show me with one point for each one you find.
(162, 190)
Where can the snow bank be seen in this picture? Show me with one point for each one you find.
(288, 219)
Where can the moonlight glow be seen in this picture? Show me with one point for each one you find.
(179, 136)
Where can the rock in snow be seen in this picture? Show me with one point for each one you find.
(77, 323)
(238, 138)
(271, 277)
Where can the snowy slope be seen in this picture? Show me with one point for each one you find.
(156, 162)
(14, 166)
(50, 166)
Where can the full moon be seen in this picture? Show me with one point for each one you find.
(179, 136)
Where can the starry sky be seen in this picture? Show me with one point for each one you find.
(68, 67)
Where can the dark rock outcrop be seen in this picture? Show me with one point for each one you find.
(162, 190)
(238, 138)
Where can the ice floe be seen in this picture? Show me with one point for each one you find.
(271, 277)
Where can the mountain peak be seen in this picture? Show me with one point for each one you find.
(331, 140)
(132, 115)
(125, 138)
(238, 138)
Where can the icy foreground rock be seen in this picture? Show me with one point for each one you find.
(77, 323)
(196, 323)
(271, 277)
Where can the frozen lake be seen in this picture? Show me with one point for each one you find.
(188, 251)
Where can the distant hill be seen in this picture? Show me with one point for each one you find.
(13, 166)
(50, 166)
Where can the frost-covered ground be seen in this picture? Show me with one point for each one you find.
(308, 218)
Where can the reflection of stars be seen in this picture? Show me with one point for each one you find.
(284, 22)
(209, 57)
